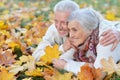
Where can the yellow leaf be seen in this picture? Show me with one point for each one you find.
(5, 12)
(110, 15)
(35, 72)
(1, 4)
(4, 73)
(3, 25)
(82, 5)
(27, 79)
(13, 45)
(29, 64)
(29, 42)
(41, 63)
(6, 33)
(15, 69)
(50, 54)
(58, 76)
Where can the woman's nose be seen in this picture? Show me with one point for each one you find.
(71, 35)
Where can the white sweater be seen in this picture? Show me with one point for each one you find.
(102, 52)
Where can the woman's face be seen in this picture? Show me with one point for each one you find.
(77, 33)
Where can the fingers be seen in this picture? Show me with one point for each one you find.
(59, 64)
(55, 63)
(107, 36)
(66, 45)
(107, 41)
(105, 33)
(114, 46)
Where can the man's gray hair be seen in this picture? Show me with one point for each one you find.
(66, 6)
(87, 17)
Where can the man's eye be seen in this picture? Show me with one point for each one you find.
(64, 23)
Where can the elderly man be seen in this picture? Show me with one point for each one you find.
(57, 32)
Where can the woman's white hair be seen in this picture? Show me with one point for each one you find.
(66, 6)
(87, 17)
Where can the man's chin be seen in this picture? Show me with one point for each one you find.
(63, 35)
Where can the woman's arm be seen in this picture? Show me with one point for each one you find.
(69, 65)
(67, 62)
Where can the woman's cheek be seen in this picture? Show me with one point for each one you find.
(76, 42)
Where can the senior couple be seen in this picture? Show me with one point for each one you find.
(83, 37)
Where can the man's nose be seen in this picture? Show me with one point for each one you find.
(60, 25)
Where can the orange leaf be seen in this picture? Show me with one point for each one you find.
(7, 58)
(98, 74)
(86, 73)
(4, 73)
(90, 73)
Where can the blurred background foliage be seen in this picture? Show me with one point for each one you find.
(110, 8)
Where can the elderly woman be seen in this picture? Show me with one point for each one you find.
(84, 34)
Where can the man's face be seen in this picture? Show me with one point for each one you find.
(61, 22)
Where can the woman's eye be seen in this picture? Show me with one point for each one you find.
(74, 29)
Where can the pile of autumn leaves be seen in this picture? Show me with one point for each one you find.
(43, 69)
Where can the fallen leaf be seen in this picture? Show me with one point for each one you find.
(35, 72)
(50, 54)
(98, 74)
(58, 76)
(86, 73)
(7, 58)
(109, 66)
(4, 73)
(27, 79)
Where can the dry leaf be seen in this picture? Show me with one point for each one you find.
(7, 58)
(98, 74)
(27, 79)
(4, 73)
(58, 76)
(90, 73)
(35, 72)
(109, 66)
(50, 54)
(86, 73)
(29, 63)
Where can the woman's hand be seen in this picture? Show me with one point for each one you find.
(59, 63)
(110, 37)
(66, 45)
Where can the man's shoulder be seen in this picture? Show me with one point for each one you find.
(52, 27)
(106, 24)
